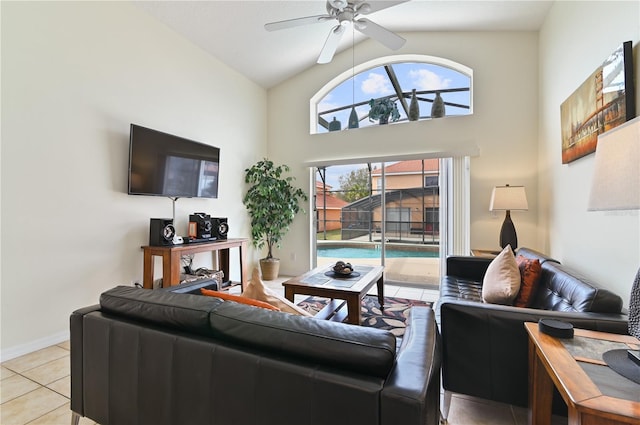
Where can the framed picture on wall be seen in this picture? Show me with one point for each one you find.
(604, 101)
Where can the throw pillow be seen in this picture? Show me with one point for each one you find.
(530, 272)
(501, 283)
(256, 290)
(237, 298)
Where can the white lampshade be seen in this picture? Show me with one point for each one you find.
(616, 186)
(616, 177)
(508, 198)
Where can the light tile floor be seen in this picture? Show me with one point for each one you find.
(35, 388)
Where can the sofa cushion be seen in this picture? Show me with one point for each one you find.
(178, 311)
(501, 283)
(359, 349)
(563, 289)
(533, 255)
(530, 272)
(256, 290)
(238, 299)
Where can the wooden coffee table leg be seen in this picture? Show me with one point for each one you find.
(289, 293)
(381, 292)
(353, 309)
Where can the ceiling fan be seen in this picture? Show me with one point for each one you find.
(345, 12)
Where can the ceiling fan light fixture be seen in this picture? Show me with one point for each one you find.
(338, 4)
(360, 25)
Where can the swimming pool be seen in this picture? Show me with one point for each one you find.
(364, 252)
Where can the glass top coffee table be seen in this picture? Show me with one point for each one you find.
(349, 290)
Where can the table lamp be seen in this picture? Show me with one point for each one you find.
(616, 186)
(508, 198)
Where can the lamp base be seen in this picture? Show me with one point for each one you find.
(508, 233)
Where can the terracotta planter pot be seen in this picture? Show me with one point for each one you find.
(270, 268)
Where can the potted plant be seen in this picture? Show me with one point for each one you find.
(272, 202)
(383, 109)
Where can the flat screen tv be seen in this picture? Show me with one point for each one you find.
(161, 164)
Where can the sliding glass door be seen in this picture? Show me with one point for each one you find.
(381, 214)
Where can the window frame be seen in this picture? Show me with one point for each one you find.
(378, 62)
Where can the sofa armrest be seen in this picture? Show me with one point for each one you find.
(467, 267)
(412, 390)
(76, 337)
(485, 346)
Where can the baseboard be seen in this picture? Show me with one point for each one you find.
(39, 344)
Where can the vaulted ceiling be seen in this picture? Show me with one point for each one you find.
(233, 31)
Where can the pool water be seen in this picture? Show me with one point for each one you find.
(342, 252)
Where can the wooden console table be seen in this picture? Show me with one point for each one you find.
(171, 255)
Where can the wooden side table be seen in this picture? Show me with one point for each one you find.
(171, 259)
(488, 253)
(595, 394)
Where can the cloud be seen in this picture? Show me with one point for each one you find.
(376, 84)
(423, 79)
(327, 103)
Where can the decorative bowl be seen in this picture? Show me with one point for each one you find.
(342, 268)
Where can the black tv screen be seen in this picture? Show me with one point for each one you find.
(161, 164)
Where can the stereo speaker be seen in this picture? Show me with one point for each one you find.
(200, 226)
(161, 232)
(220, 227)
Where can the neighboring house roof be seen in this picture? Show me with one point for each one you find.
(410, 167)
(332, 200)
(320, 186)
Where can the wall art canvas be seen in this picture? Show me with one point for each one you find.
(604, 101)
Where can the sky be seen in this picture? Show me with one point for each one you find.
(335, 171)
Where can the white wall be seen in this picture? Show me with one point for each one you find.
(74, 76)
(575, 39)
(503, 127)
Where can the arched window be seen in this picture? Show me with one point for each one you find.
(393, 78)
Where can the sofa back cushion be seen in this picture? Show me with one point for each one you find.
(359, 349)
(562, 289)
(177, 311)
(535, 255)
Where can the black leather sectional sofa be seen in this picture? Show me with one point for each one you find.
(159, 357)
(485, 346)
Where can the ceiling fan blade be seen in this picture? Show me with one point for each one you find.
(289, 23)
(366, 7)
(380, 34)
(331, 44)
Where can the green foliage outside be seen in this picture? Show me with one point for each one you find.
(354, 185)
(330, 235)
(272, 202)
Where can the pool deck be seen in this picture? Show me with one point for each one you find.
(409, 270)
